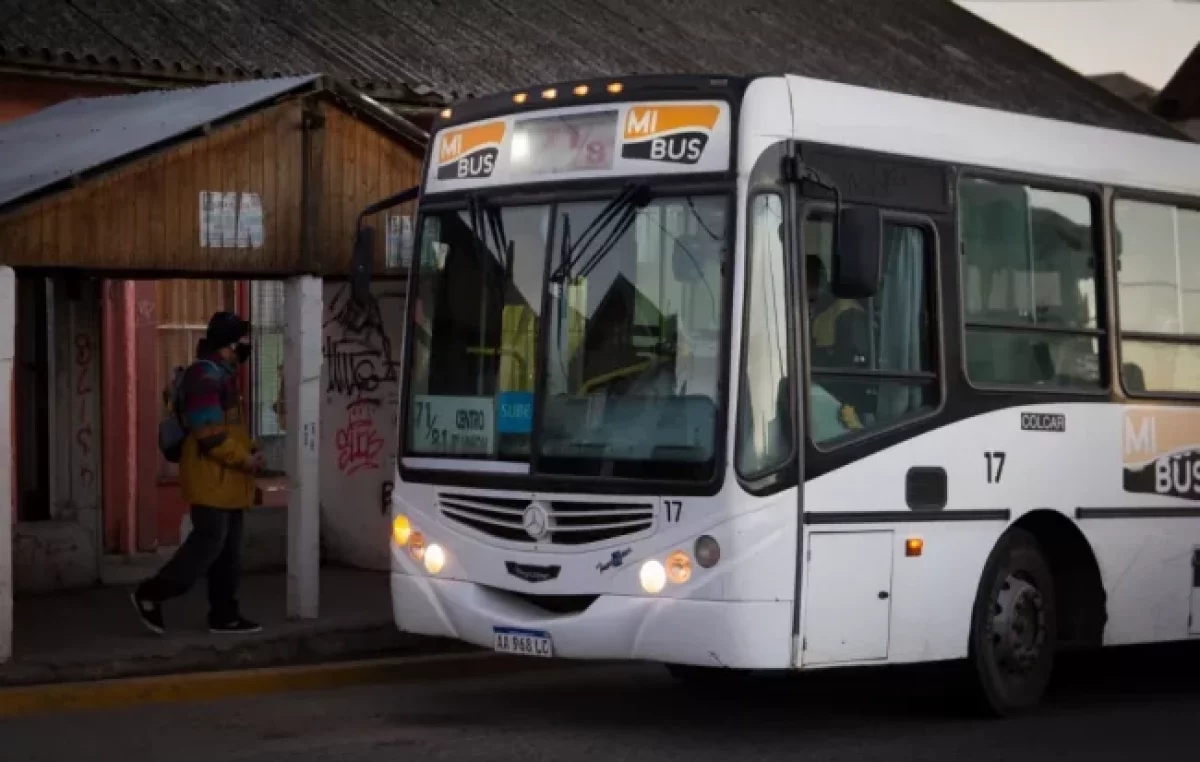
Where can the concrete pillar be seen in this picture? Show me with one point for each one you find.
(302, 391)
(8, 336)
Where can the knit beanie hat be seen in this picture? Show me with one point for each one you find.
(224, 329)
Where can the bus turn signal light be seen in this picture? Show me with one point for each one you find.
(416, 546)
(913, 546)
(679, 567)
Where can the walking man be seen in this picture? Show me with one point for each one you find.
(216, 476)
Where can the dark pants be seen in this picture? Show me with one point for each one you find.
(214, 550)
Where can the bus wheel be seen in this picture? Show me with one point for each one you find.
(1014, 630)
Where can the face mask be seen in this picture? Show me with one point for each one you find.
(243, 352)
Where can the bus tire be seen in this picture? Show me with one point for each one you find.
(1014, 629)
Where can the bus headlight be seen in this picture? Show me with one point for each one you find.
(401, 529)
(679, 567)
(653, 576)
(435, 558)
(707, 551)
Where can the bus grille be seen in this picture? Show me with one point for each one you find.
(570, 522)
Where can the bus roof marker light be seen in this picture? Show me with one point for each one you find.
(447, 113)
(653, 576)
(581, 90)
(520, 98)
(913, 547)
(615, 87)
(550, 93)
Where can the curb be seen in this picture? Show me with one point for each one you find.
(165, 656)
(206, 686)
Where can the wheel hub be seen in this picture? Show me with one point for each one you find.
(1018, 625)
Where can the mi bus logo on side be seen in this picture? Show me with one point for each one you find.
(672, 133)
(469, 153)
(1162, 453)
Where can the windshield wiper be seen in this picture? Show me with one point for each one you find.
(623, 208)
(478, 210)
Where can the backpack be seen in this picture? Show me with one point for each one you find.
(172, 431)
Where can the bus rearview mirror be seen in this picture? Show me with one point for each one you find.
(856, 268)
(361, 261)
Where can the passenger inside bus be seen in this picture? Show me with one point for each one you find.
(840, 339)
(840, 327)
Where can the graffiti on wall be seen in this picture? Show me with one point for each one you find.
(358, 443)
(362, 370)
(360, 358)
(361, 347)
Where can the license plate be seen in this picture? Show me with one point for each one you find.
(512, 640)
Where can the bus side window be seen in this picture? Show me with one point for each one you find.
(1159, 296)
(889, 336)
(1029, 262)
(764, 409)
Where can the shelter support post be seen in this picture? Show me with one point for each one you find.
(302, 381)
(8, 343)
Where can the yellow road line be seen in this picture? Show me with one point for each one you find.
(205, 686)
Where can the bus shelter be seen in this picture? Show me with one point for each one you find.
(125, 222)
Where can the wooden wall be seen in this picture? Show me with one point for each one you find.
(146, 216)
(360, 165)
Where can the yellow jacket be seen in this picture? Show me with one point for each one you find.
(212, 469)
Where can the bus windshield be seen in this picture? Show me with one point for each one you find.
(629, 296)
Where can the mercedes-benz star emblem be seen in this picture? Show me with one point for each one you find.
(536, 521)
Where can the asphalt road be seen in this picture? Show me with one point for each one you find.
(1131, 707)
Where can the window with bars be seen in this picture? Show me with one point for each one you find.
(268, 418)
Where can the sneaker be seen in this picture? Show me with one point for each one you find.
(238, 626)
(149, 612)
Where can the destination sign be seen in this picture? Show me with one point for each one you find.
(580, 142)
(567, 143)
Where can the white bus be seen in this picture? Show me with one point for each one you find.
(773, 373)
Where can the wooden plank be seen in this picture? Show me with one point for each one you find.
(235, 163)
(186, 241)
(334, 172)
(175, 201)
(268, 169)
(289, 193)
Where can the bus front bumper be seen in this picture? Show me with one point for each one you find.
(739, 635)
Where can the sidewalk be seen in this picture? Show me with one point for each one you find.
(94, 634)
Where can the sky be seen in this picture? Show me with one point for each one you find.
(1146, 39)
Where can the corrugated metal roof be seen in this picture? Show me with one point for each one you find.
(80, 135)
(932, 48)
